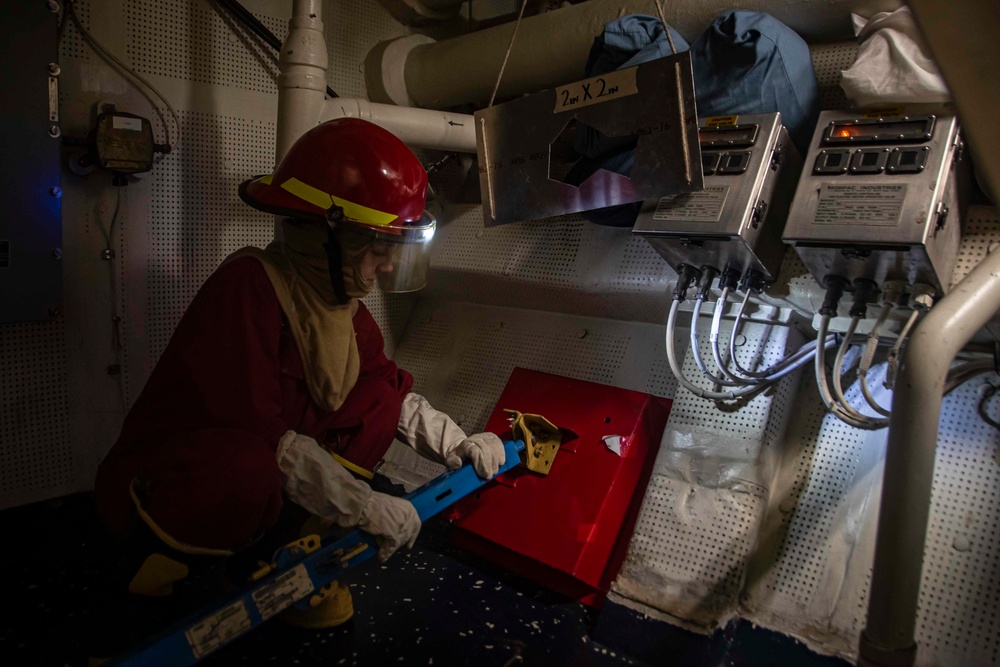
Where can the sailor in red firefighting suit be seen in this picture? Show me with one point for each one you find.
(276, 364)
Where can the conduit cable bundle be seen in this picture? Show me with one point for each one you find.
(742, 384)
(733, 381)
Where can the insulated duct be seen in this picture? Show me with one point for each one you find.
(551, 48)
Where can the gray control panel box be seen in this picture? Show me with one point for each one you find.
(750, 169)
(881, 198)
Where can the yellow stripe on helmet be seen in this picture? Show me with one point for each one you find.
(323, 200)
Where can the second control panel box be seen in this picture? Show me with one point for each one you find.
(750, 168)
(880, 198)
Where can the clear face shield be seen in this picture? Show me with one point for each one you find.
(398, 262)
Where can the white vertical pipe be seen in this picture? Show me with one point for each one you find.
(302, 79)
(888, 638)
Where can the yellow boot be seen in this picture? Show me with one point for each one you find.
(328, 607)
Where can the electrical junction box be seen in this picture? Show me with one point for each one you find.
(750, 167)
(568, 530)
(881, 198)
(123, 142)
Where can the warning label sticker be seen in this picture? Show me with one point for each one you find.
(218, 629)
(125, 123)
(283, 592)
(860, 204)
(702, 206)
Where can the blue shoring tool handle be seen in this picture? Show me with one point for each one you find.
(295, 579)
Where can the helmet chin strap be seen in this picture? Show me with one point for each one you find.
(333, 255)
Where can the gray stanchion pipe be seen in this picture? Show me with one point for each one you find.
(888, 637)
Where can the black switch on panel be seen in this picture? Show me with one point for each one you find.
(869, 161)
(908, 160)
(832, 162)
(734, 163)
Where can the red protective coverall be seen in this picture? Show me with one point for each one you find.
(204, 432)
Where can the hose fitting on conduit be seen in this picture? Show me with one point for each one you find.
(835, 286)
(730, 278)
(922, 297)
(686, 276)
(705, 282)
(892, 292)
(753, 281)
(863, 291)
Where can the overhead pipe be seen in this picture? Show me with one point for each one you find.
(302, 102)
(552, 47)
(417, 128)
(888, 637)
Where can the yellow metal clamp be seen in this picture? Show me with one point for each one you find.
(541, 440)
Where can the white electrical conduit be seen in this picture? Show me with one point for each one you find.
(713, 338)
(838, 364)
(893, 367)
(868, 356)
(776, 372)
(417, 128)
(888, 637)
(696, 350)
(962, 373)
(732, 340)
(757, 378)
(868, 423)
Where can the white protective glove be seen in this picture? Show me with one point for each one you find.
(317, 483)
(434, 435)
(394, 520)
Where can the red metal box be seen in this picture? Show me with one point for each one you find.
(570, 530)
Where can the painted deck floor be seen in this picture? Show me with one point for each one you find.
(431, 606)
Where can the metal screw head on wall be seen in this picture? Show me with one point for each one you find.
(55, 191)
(53, 6)
(54, 131)
(57, 253)
(54, 69)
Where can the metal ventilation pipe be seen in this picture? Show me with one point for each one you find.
(888, 637)
(302, 102)
(551, 48)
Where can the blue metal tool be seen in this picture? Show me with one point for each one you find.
(299, 571)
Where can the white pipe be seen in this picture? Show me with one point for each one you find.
(418, 128)
(302, 79)
(551, 48)
(888, 638)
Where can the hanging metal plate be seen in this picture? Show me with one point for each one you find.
(518, 142)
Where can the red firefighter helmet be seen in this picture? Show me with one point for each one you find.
(361, 178)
